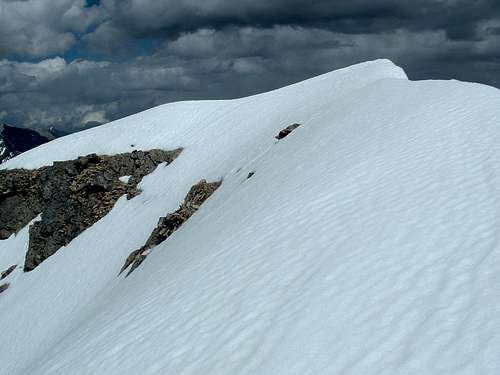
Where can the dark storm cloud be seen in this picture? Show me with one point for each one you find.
(151, 17)
(73, 62)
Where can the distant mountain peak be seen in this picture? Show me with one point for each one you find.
(14, 141)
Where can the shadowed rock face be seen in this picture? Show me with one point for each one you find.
(14, 141)
(70, 196)
(167, 225)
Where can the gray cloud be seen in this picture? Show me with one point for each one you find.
(458, 18)
(33, 28)
(53, 92)
(141, 53)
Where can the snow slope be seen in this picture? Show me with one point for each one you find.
(367, 242)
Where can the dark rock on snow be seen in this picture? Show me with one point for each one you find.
(4, 287)
(71, 195)
(7, 272)
(167, 225)
(285, 132)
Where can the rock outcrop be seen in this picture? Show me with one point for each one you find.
(167, 225)
(4, 287)
(285, 132)
(70, 196)
(7, 272)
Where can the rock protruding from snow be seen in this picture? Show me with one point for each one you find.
(7, 272)
(71, 195)
(4, 287)
(285, 132)
(167, 225)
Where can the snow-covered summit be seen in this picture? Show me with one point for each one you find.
(365, 242)
(169, 125)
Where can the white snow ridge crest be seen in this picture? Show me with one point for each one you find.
(365, 242)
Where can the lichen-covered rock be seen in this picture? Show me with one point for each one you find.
(167, 225)
(70, 195)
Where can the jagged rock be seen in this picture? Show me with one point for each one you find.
(4, 287)
(7, 272)
(283, 133)
(71, 195)
(167, 225)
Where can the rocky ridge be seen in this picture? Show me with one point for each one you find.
(167, 225)
(70, 196)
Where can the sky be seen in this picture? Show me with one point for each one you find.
(73, 64)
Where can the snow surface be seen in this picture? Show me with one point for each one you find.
(367, 242)
(125, 179)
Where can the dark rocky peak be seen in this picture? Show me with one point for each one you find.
(20, 140)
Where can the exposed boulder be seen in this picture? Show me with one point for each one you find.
(285, 132)
(70, 195)
(7, 272)
(4, 287)
(167, 225)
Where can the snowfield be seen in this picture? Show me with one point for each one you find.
(366, 242)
